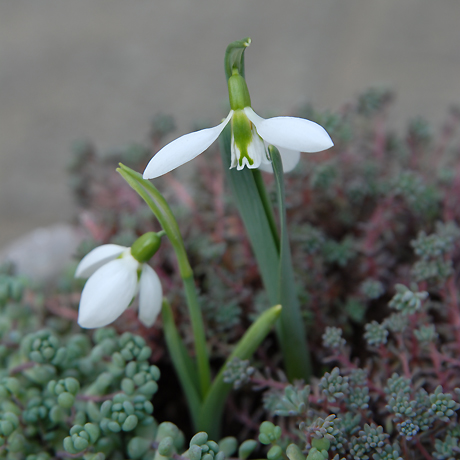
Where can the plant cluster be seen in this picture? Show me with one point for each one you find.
(375, 232)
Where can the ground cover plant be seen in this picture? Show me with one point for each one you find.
(374, 236)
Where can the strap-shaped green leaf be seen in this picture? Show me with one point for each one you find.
(272, 254)
(213, 405)
(291, 327)
(183, 365)
(252, 210)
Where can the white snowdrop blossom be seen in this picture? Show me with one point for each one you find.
(115, 278)
(251, 135)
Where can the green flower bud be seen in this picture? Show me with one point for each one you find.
(246, 448)
(199, 439)
(166, 446)
(228, 445)
(293, 452)
(275, 453)
(138, 447)
(145, 247)
(130, 423)
(194, 453)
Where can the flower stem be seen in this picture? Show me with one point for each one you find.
(163, 213)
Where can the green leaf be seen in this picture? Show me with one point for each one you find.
(291, 327)
(213, 405)
(253, 212)
(272, 254)
(181, 360)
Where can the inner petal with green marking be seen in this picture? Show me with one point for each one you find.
(247, 146)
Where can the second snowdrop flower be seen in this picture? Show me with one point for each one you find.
(116, 274)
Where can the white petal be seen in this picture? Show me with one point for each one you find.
(96, 258)
(291, 133)
(289, 158)
(150, 296)
(183, 149)
(108, 293)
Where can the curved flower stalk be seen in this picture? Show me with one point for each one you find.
(116, 274)
(251, 134)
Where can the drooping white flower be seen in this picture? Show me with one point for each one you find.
(115, 277)
(251, 134)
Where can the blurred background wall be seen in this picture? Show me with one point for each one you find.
(100, 69)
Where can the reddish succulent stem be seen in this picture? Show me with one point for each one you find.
(22, 367)
(403, 357)
(454, 313)
(422, 450)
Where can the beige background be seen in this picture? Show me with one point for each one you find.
(100, 69)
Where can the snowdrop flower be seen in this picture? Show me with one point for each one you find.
(251, 135)
(116, 274)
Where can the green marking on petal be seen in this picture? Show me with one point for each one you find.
(242, 133)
